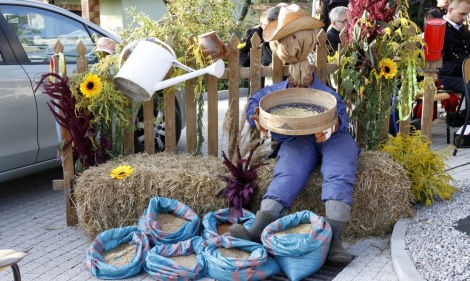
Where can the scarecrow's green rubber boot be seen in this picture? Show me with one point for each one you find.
(337, 215)
(262, 219)
(337, 253)
(270, 211)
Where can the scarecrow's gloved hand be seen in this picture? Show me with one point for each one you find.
(323, 136)
(258, 125)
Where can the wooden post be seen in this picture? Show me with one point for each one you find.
(255, 65)
(212, 116)
(255, 75)
(170, 107)
(431, 67)
(67, 154)
(405, 124)
(128, 134)
(277, 69)
(233, 94)
(191, 106)
(149, 135)
(322, 57)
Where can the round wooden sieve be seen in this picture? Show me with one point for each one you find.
(298, 125)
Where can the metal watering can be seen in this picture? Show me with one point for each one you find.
(146, 67)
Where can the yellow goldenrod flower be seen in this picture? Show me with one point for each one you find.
(387, 68)
(121, 172)
(387, 31)
(91, 86)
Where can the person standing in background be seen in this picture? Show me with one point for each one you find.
(326, 7)
(245, 44)
(338, 18)
(439, 11)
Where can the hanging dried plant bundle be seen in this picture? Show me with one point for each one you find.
(241, 187)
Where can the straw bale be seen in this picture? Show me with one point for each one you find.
(381, 193)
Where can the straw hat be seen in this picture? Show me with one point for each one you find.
(291, 20)
(105, 44)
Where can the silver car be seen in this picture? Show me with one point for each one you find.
(28, 33)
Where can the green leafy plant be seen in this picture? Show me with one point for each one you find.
(426, 168)
(378, 58)
(107, 108)
(189, 18)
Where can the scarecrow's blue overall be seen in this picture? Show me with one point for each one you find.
(298, 155)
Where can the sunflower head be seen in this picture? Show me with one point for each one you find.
(388, 68)
(91, 86)
(121, 172)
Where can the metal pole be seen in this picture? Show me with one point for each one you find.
(314, 8)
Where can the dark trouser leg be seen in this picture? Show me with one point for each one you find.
(456, 84)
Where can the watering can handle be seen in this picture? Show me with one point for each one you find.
(152, 39)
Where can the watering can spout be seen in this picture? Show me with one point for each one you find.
(147, 66)
(215, 69)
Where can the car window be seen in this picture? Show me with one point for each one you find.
(95, 33)
(38, 31)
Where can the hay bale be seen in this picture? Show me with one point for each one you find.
(381, 194)
(104, 203)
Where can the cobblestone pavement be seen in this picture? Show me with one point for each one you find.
(29, 205)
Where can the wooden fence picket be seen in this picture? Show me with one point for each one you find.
(191, 106)
(128, 134)
(212, 116)
(255, 65)
(277, 69)
(233, 94)
(255, 75)
(322, 57)
(67, 154)
(170, 107)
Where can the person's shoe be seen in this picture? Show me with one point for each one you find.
(337, 253)
(262, 219)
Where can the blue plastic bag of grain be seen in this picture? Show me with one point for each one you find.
(150, 224)
(298, 255)
(224, 264)
(123, 249)
(161, 267)
(229, 215)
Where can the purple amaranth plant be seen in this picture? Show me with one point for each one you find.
(76, 122)
(378, 11)
(241, 187)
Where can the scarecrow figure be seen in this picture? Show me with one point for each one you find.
(292, 38)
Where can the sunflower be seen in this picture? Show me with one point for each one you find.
(91, 86)
(387, 68)
(121, 172)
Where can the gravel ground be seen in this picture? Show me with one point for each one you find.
(437, 249)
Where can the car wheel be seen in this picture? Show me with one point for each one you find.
(159, 128)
